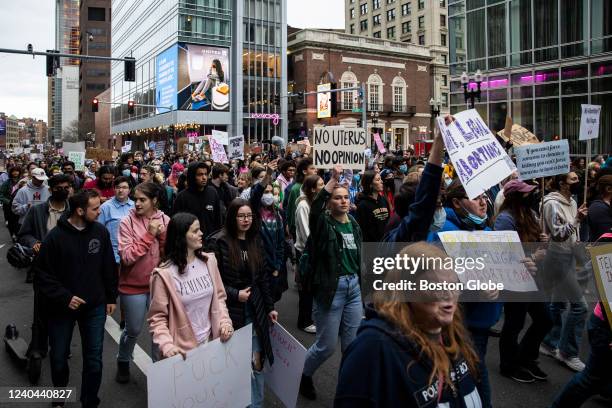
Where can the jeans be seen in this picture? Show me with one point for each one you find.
(513, 354)
(566, 333)
(480, 339)
(257, 376)
(135, 308)
(343, 317)
(595, 378)
(91, 327)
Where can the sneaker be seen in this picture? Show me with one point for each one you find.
(546, 350)
(123, 372)
(572, 362)
(312, 329)
(533, 369)
(307, 389)
(519, 375)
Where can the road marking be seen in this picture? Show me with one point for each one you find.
(141, 358)
(2, 246)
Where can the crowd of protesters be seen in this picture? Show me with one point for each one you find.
(192, 250)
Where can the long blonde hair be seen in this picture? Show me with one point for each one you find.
(455, 338)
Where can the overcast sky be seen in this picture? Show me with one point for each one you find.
(23, 83)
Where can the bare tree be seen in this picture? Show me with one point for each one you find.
(71, 132)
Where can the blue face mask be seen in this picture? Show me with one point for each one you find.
(357, 178)
(473, 219)
(403, 168)
(438, 220)
(126, 173)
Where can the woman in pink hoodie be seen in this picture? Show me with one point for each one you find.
(142, 235)
(187, 294)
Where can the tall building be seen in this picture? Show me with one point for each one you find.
(63, 96)
(94, 75)
(420, 22)
(12, 132)
(200, 65)
(541, 60)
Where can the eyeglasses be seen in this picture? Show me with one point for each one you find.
(122, 187)
(243, 217)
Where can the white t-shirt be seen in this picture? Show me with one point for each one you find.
(195, 289)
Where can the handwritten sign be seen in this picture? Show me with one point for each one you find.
(213, 375)
(78, 158)
(284, 376)
(478, 158)
(236, 148)
(543, 160)
(159, 149)
(601, 256)
(99, 154)
(379, 143)
(339, 145)
(589, 122)
(220, 137)
(217, 150)
(518, 135)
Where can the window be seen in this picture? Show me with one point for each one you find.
(399, 94)
(375, 4)
(442, 3)
(352, 28)
(96, 14)
(352, 13)
(421, 4)
(443, 40)
(406, 27)
(348, 80)
(376, 20)
(363, 25)
(444, 59)
(364, 8)
(442, 20)
(391, 15)
(421, 40)
(421, 22)
(406, 9)
(391, 32)
(375, 92)
(376, 34)
(444, 80)
(444, 99)
(390, 1)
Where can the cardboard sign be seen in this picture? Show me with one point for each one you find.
(601, 256)
(214, 374)
(379, 143)
(323, 101)
(126, 148)
(518, 135)
(479, 159)
(284, 376)
(78, 158)
(236, 148)
(218, 151)
(543, 160)
(160, 147)
(99, 154)
(339, 145)
(501, 253)
(220, 137)
(589, 122)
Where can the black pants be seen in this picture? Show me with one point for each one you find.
(513, 353)
(305, 302)
(40, 334)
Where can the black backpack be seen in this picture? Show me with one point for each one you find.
(20, 256)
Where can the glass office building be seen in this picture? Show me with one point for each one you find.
(541, 60)
(176, 42)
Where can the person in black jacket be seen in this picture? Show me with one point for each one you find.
(245, 276)
(600, 212)
(200, 199)
(372, 208)
(76, 274)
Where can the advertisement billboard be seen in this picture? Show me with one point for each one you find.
(323, 101)
(2, 127)
(193, 77)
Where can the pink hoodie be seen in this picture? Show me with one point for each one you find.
(140, 252)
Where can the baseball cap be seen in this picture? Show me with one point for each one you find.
(39, 174)
(517, 186)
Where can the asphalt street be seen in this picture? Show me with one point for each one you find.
(16, 307)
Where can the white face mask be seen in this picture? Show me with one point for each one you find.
(439, 219)
(267, 199)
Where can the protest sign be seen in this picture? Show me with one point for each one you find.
(478, 158)
(73, 146)
(339, 145)
(236, 148)
(152, 145)
(284, 376)
(192, 139)
(99, 154)
(217, 150)
(214, 374)
(519, 136)
(220, 137)
(379, 143)
(601, 257)
(159, 149)
(78, 158)
(501, 253)
(589, 122)
(126, 148)
(40, 147)
(543, 159)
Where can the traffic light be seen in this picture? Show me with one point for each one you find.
(94, 105)
(334, 100)
(129, 69)
(53, 63)
(301, 96)
(131, 106)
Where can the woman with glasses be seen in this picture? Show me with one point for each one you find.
(245, 275)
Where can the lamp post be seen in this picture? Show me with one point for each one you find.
(471, 94)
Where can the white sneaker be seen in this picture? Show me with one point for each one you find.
(573, 362)
(312, 329)
(548, 351)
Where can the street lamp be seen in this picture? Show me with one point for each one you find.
(90, 38)
(435, 106)
(471, 94)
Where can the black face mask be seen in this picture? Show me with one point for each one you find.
(575, 188)
(59, 195)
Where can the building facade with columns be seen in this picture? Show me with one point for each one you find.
(397, 78)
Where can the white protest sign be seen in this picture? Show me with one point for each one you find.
(601, 257)
(543, 159)
(214, 374)
(78, 158)
(478, 158)
(284, 376)
(192, 139)
(235, 148)
(339, 145)
(159, 149)
(126, 148)
(589, 122)
(500, 253)
(379, 143)
(40, 147)
(220, 137)
(218, 151)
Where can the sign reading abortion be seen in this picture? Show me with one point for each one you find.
(339, 145)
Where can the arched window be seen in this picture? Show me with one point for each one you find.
(375, 93)
(348, 80)
(399, 94)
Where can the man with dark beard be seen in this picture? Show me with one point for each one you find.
(103, 183)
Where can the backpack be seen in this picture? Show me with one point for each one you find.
(20, 256)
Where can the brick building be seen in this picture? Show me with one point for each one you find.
(397, 77)
(103, 137)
